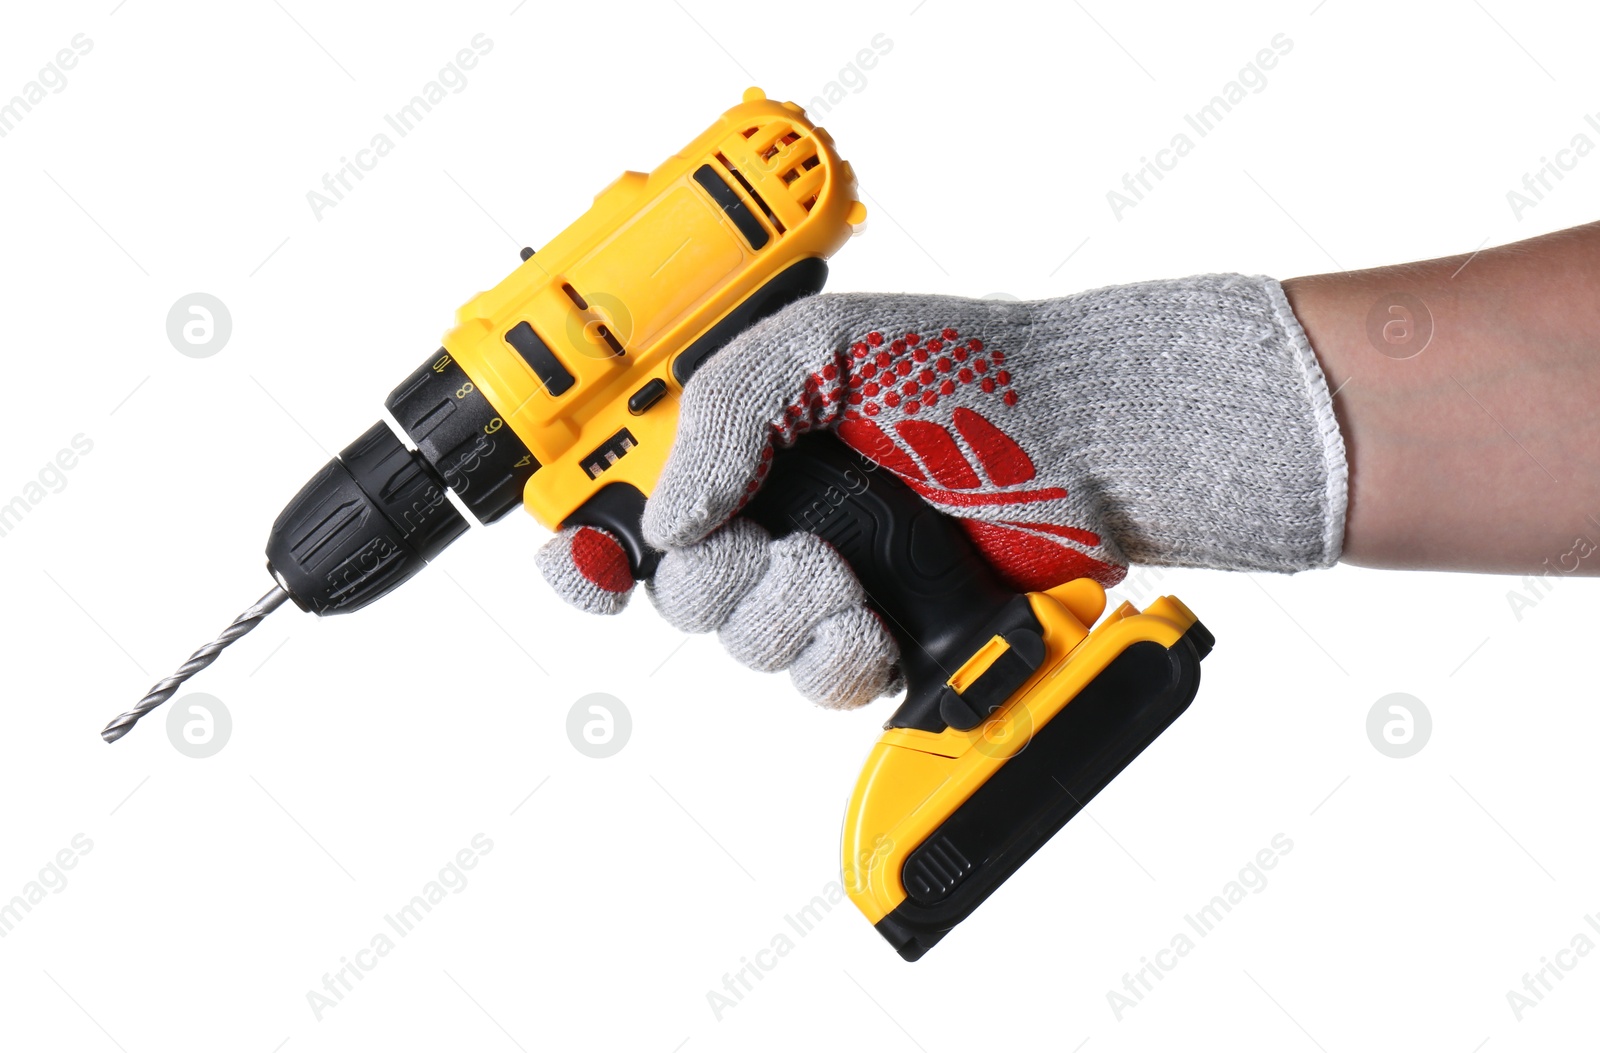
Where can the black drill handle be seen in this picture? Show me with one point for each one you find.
(921, 572)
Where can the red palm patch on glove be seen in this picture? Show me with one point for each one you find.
(868, 439)
(939, 452)
(874, 443)
(1032, 563)
(1002, 458)
(881, 378)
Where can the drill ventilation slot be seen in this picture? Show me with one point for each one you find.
(777, 224)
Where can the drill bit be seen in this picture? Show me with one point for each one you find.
(197, 661)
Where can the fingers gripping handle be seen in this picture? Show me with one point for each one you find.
(922, 574)
(924, 577)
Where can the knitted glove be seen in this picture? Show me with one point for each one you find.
(787, 604)
(1178, 423)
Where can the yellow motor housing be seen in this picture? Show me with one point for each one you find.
(621, 298)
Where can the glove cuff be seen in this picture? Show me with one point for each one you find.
(1335, 490)
(1200, 415)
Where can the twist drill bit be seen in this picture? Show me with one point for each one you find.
(197, 661)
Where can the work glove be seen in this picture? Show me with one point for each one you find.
(1171, 423)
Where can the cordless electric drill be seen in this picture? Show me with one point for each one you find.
(558, 389)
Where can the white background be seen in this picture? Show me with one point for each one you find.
(367, 751)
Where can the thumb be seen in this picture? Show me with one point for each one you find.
(775, 380)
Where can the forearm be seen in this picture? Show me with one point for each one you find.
(1480, 452)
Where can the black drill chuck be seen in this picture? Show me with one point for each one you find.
(378, 513)
(369, 520)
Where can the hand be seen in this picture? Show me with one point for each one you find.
(1176, 423)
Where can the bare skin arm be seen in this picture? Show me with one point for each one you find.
(1481, 452)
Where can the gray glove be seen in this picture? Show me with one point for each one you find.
(1177, 423)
